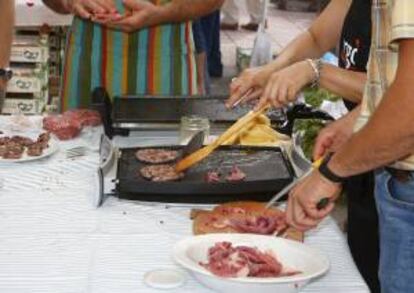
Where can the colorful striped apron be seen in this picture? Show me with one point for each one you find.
(153, 61)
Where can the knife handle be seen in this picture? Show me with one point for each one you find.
(322, 203)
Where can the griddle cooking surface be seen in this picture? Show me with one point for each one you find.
(266, 168)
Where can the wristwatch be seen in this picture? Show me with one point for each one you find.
(6, 74)
(327, 173)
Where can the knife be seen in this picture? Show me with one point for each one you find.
(322, 203)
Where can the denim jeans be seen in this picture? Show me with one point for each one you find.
(395, 204)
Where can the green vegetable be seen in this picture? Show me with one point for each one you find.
(315, 96)
(309, 128)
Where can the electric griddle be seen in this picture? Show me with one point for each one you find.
(267, 170)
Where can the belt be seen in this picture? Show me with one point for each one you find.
(400, 175)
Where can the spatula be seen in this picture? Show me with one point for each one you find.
(195, 143)
(201, 154)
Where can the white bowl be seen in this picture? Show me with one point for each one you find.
(293, 255)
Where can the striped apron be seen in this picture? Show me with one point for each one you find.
(153, 61)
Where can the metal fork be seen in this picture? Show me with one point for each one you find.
(74, 152)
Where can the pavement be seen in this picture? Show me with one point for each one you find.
(283, 27)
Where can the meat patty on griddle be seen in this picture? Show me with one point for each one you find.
(156, 156)
(160, 173)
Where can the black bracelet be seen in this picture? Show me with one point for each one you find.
(327, 173)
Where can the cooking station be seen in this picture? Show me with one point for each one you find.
(54, 239)
(119, 172)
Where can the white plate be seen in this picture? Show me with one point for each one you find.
(293, 255)
(50, 150)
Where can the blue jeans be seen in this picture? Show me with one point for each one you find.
(395, 204)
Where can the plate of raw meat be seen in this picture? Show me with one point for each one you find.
(245, 263)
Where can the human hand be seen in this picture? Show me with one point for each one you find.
(88, 8)
(302, 210)
(139, 14)
(332, 137)
(284, 85)
(251, 80)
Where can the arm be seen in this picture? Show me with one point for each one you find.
(182, 10)
(6, 35)
(145, 14)
(344, 83)
(389, 135)
(322, 36)
(59, 6)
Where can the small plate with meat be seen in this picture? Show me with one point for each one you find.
(245, 263)
(24, 148)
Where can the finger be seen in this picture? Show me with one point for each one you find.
(289, 212)
(322, 213)
(291, 94)
(238, 94)
(134, 4)
(302, 222)
(108, 5)
(321, 145)
(255, 94)
(93, 7)
(81, 11)
(282, 94)
(273, 98)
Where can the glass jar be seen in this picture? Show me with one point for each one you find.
(190, 125)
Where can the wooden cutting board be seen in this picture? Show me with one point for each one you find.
(203, 219)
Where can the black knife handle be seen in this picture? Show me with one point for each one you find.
(322, 203)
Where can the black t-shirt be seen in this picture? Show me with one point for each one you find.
(356, 39)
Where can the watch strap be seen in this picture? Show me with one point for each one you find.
(327, 173)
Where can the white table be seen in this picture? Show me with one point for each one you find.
(53, 240)
(37, 14)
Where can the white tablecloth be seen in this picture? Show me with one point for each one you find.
(35, 13)
(53, 240)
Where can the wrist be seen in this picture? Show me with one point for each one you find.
(329, 171)
(160, 14)
(314, 67)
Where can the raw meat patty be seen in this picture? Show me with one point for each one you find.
(35, 150)
(160, 173)
(156, 156)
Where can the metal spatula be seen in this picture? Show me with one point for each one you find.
(195, 143)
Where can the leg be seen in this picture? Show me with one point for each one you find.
(230, 11)
(363, 236)
(395, 203)
(211, 28)
(255, 9)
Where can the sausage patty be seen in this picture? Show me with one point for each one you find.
(156, 156)
(160, 173)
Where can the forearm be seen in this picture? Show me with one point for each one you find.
(301, 48)
(6, 34)
(387, 137)
(389, 134)
(323, 35)
(344, 83)
(183, 10)
(58, 6)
